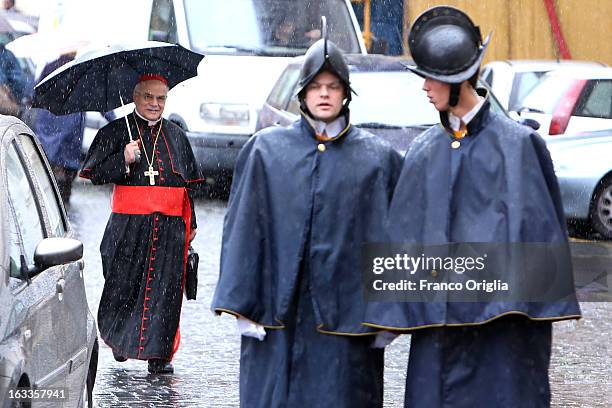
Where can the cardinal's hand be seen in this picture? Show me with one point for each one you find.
(131, 151)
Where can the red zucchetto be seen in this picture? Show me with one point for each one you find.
(152, 77)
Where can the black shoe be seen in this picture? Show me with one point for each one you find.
(119, 358)
(159, 366)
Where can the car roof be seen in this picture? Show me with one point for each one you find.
(10, 125)
(368, 62)
(577, 73)
(544, 65)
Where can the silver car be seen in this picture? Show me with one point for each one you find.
(48, 337)
(584, 170)
(513, 80)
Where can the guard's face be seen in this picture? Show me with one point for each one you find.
(324, 96)
(438, 93)
(150, 99)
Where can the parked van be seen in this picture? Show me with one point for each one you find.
(247, 44)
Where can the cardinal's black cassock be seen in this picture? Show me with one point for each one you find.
(144, 247)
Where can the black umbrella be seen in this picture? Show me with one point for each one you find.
(97, 81)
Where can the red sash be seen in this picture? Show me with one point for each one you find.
(172, 201)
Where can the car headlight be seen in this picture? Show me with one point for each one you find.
(225, 114)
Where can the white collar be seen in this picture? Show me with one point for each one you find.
(150, 122)
(332, 128)
(455, 121)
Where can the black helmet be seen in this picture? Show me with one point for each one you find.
(323, 55)
(446, 45)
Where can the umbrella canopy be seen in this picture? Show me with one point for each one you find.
(45, 47)
(96, 81)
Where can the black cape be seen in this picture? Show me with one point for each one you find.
(498, 187)
(292, 201)
(142, 255)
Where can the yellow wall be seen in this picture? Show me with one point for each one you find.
(521, 28)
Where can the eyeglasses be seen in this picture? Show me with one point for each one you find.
(150, 98)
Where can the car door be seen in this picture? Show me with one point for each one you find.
(34, 316)
(73, 304)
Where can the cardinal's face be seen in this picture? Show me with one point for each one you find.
(150, 99)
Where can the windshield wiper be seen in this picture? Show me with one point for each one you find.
(528, 109)
(378, 125)
(239, 48)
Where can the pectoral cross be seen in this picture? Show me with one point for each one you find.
(151, 174)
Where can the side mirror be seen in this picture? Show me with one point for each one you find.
(532, 123)
(52, 252)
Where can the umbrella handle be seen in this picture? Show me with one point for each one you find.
(127, 123)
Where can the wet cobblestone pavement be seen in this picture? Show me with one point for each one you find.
(206, 365)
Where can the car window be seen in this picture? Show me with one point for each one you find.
(597, 102)
(495, 105)
(294, 106)
(547, 93)
(523, 83)
(283, 89)
(487, 76)
(163, 22)
(28, 231)
(15, 249)
(278, 27)
(48, 191)
(391, 98)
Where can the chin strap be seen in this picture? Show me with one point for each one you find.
(453, 98)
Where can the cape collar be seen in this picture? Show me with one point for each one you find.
(478, 120)
(455, 121)
(335, 129)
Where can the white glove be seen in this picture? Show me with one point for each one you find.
(383, 339)
(249, 329)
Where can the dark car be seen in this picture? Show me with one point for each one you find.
(48, 337)
(389, 102)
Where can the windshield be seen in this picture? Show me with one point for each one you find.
(390, 98)
(523, 84)
(546, 94)
(271, 27)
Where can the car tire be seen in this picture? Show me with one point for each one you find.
(601, 208)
